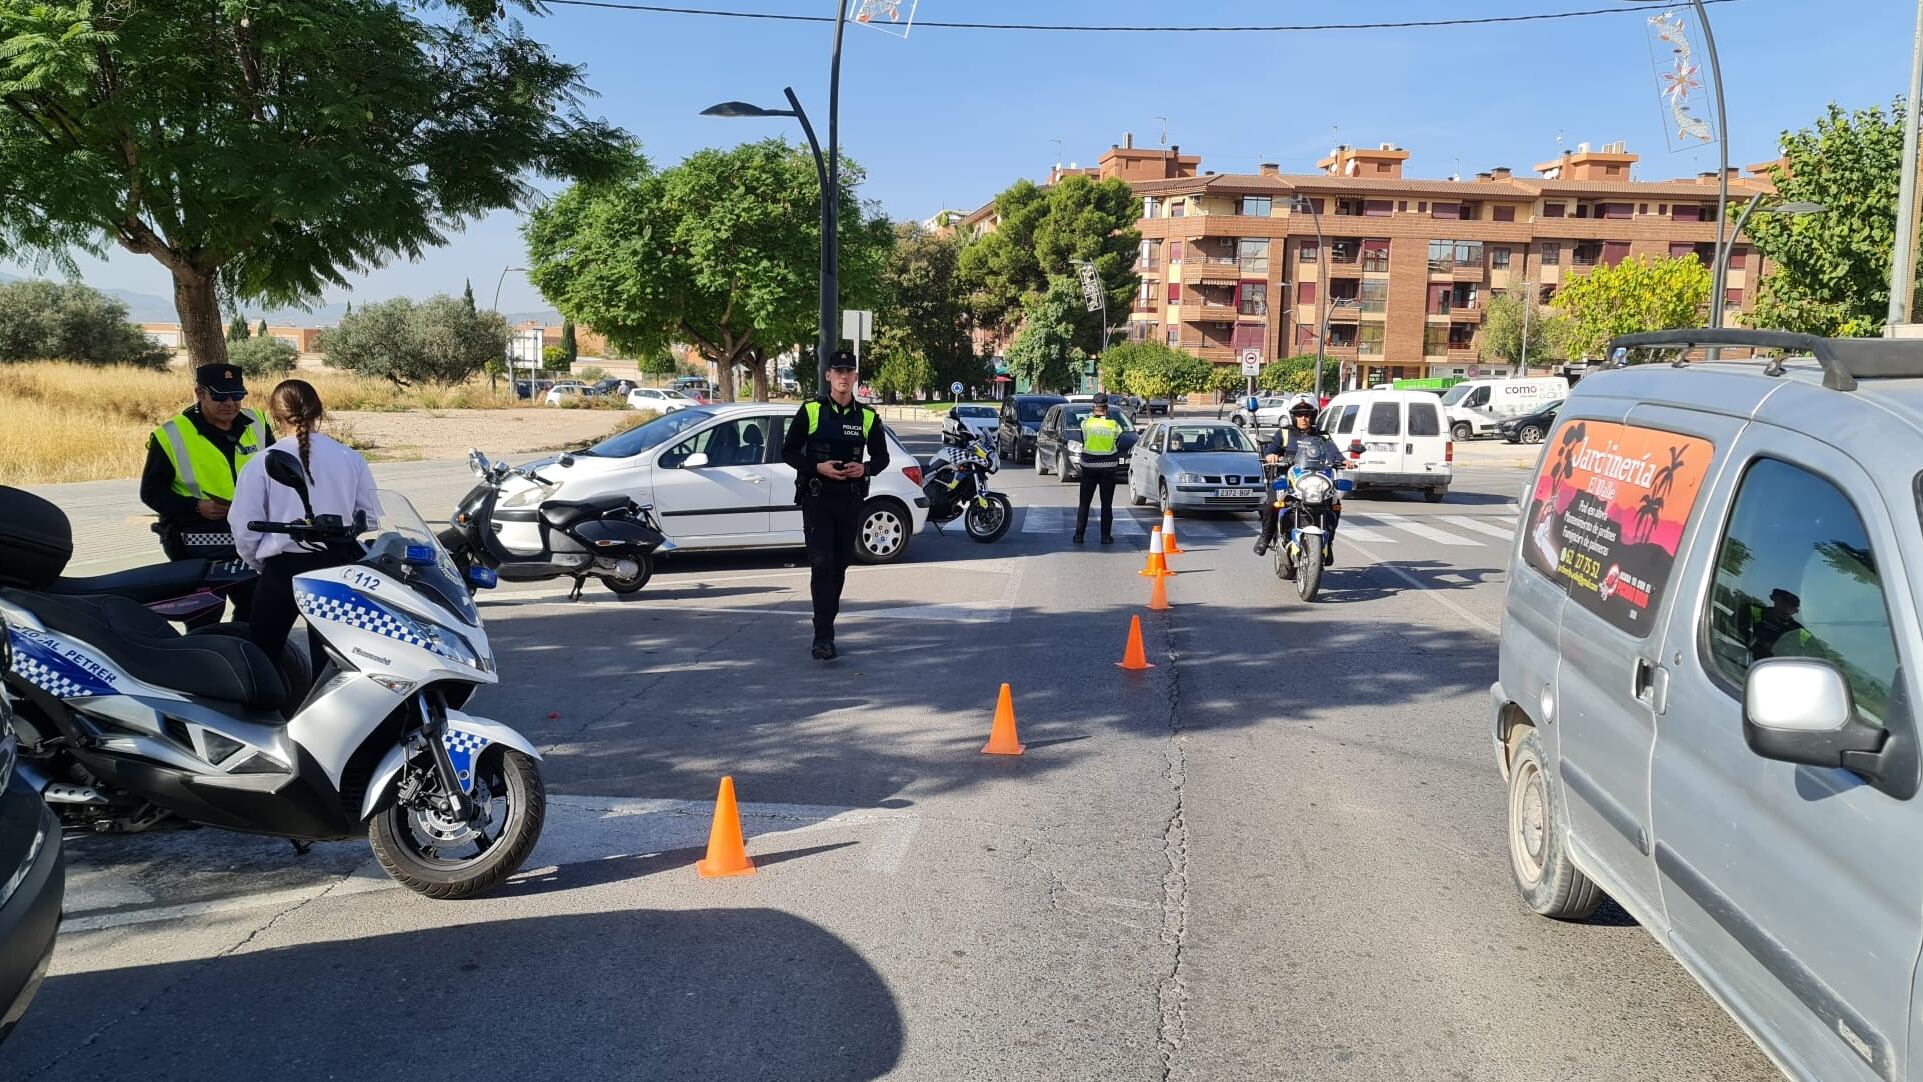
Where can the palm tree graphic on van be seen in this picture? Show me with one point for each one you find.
(1666, 477)
(1649, 512)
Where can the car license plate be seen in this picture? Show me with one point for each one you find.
(1231, 493)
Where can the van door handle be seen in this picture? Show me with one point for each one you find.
(1644, 679)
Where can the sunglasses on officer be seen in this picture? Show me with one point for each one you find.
(225, 396)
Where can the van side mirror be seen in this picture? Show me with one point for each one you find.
(1800, 710)
(696, 461)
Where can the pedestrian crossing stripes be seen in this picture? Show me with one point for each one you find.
(1378, 528)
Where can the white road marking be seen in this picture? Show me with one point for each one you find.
(1427, 533)
(1049, 519)
(1426, 590)
(1507, 532)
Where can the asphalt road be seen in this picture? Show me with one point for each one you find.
(1277, 855)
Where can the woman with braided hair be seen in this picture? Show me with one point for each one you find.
(338, 483)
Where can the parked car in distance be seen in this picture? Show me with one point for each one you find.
(1272, 411)
(564, 390)
(1058, 441)
(1395, 439)
(1021, 418)
(694, 387)
(619, 388)
(716, 480)
(1530, 428)
(969, 419)
(1196, 466)
(1157, 406)
(1475, 407)
(32, 881)
(663, 399)
(532, 388)
(1707, 683)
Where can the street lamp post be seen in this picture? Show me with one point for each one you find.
(505, 271)
(1303, 202)
(828, 173)
(1719, 280)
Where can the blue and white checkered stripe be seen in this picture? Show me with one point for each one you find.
(342, 604)
(53, 674)
(462, 750)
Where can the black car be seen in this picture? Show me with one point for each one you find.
(1021, 419)
(1530, 428)
(617, 387)
(1058, 444)
(31, 878)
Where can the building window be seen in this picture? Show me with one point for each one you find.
(1447, 255)
(1348, 207)
(1615, 210)
(1247, 336)
(1733, 297)
(1253, 255)
(1175, 292)
(1368, 339)
(1553, 210)
(1642, 208)
(1614, 252)
(1174, 336)
(1551, 253)
(1343, 251)
(1499, 257)
(1149, 291)
(1308, 252)
(1305, 293)
(1402, 206)
(1175, 251)
(1257, 206)
(1377, 208)
(1178, 208)
(1252, 299)
(1375, 255)
(1422, 207)
(1151, 208)
(1435, 340)
(1462, 336)
(1587, 253)
(1737, 256)
(1375, 295)
(1445, 210)
(1504, 213)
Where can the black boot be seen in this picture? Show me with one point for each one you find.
(824, 650)
(1262, 544)
(1077, 538)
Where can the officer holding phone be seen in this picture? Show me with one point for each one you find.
(835, 444)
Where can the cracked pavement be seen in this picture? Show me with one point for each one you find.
(1277, 855)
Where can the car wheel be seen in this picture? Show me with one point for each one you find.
(1062, 467)
(1461, 431)
(1434, 495)
(883, 535)
(1538, 851)
(1531, 435)
(1039, 470)
(1161, 493)
(1135, 497)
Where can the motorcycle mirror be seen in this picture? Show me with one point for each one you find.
(478, 462)
(286, 470)
(566, 460)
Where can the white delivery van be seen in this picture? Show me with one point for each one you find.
(1477, 406)
(1395, 438)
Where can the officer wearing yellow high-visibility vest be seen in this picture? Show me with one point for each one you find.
(825, 443)
(192, 460)
(1100, 465)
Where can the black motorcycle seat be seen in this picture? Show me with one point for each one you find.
(149, 649)
(561, 514)
(155, 582)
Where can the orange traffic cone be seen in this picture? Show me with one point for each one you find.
(727, 853)
(1158, 595)
(1134, 658)
(1157, 565)
(1001, 738)
(1168, 533)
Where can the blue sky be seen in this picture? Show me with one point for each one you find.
(947, 118)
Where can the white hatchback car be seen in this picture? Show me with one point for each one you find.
(660, 399)
(563, 391)
(715, 477)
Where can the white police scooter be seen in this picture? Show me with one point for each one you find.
(128, 725)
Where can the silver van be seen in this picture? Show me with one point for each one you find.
(1707, 682)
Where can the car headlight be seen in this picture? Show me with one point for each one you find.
(1188, 479)
(1075, 446)
(1314, 488)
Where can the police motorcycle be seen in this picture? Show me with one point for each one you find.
(127, 725)
(957, 487)
(611, 538)
(1307, 496)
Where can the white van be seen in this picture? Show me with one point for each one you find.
(1395, 438)
(1477, 406)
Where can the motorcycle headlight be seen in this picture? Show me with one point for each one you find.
(1314, 488)
(530, 496)
(432, 637)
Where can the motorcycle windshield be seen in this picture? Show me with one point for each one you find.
(408, 548)
(1316, 452)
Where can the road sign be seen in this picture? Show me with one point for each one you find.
(955, 387)
(857, 325)
(1091, 286)
(1251, 362)
(525, 346)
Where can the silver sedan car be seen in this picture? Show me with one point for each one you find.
(1196, 466)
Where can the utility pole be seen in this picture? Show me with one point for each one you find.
(1903, 266)
(1528, 302)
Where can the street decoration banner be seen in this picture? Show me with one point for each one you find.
(1688, 121)
(1608, 511)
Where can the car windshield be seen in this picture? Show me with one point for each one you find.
(975, 411)
(404, 534)
(1032, 409)
(1455, 394)
(1073, 416)
(648, 436)
(1208, 439)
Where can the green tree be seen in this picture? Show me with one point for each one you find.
(568, 341)
(261, 331)
(1296, 375)
(262, 151)
(922, 338)
(1160, 371)
(437, 340)
(658, 363)
(262, 357)
(1830, 272)
(70, 322)
(1040, 232)
(1045, 352)
(238, 330)
(554, 359)
(1501, 340)
(467, 293)
(1635, 295)
(720, 251)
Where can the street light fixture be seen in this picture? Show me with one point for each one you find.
(505, 271)
(1301, 203)
(1719, 280)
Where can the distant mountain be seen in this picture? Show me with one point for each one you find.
(150, 308)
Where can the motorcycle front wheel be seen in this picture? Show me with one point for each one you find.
(987, 524)
(1308, 573)
(442, 857)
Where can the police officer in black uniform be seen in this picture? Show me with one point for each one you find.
(825, 444)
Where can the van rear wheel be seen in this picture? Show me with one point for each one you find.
(1461, 431)
(1538, 855)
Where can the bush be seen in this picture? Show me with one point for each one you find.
(555, 359)
(437, 341)
(261, 357)
(57, 321)
(592, 374)
(659, 364)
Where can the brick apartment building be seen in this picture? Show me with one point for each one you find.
(1228, 262)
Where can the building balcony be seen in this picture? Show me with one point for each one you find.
(1210, 351)
(1342, 310)
(1459, 313)
(1200, 269)
(1468, 272)
(1203, 311)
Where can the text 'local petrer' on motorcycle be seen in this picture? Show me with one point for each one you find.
(127, 725)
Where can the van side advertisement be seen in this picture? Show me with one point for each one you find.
(1608, 512)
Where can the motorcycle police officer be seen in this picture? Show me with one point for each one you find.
(826, 443)
(1281, 448)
